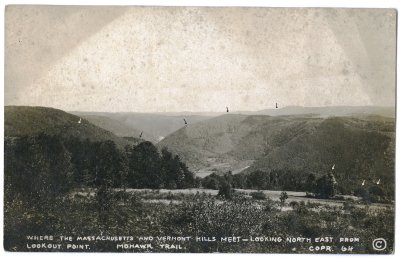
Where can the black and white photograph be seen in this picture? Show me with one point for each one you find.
(195, 129)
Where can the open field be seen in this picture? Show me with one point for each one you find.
(175, 196)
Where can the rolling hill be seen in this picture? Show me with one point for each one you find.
(231, 139)
(155, 126)
(360, 147)
(30, 121)
(117, 127)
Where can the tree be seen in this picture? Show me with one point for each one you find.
(372, 193)
(38, 168)
(257, 179)
(108, 164)
(283, 197)
(211, 182)
(109, 172)
(82, 161)
(171, 169)
(331, 184)
(239, 181)
(225, 190)
(310, 183)
(189, 177)
(145, 169)
(176, 173)
(326, 186)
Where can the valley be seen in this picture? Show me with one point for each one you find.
(217, 175)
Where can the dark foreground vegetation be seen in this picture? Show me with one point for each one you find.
(196, 215)
(43, 174)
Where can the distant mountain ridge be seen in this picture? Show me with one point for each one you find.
(155, 126)
(117, 127)
(338, 111)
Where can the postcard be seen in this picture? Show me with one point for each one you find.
(149, 129)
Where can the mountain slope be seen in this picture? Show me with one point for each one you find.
(361, 146)
(30, 121)
(117, 127)
(349, 143)
(154, 125)
(232, 138)
(361, 150)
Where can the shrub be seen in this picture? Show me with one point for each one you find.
(258, 195)
(283, 197)
(348, 206)
(293, 204)
(225, 190)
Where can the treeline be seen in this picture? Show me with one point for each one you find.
(260, 180)
(325, 186)
(48, 165)
(44, 165)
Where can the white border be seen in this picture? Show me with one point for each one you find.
(255, 3)
(266, 3)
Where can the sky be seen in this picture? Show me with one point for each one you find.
(198, 59)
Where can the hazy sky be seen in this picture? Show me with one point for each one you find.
(149, 59)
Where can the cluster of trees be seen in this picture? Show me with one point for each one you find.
(150, 169)
(42, 166)
(36, 168)
(325, 186)
(372, 193)
(322, 187)
(48, 165)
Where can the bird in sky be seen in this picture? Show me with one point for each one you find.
(185, 121)
(227, 110)
(276, 105)
(141, 133)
